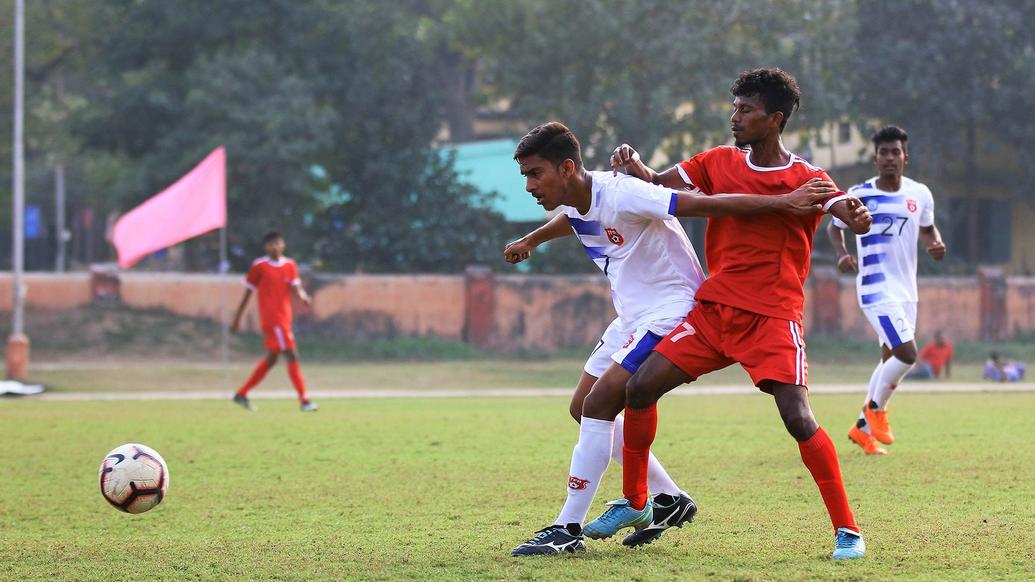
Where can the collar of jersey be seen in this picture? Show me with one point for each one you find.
(279, 263)
(747, 158)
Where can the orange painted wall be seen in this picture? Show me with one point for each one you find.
(535, 313)
(48, 291)
(1020, 305)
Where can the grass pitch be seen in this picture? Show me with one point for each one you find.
(442, 489)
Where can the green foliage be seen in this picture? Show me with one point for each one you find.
(130, 93)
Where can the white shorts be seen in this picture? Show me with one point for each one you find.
(629, 345)
(895, 323)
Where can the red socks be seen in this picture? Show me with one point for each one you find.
(820, 456)
(295, 372)
(257, 375)
(641, 425)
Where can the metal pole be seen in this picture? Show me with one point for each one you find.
(17, 355)
(224, 268)
(18, 249)
(59, 217)
(59, 184)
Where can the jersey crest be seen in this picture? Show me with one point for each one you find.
(614, 236)
(911, 205)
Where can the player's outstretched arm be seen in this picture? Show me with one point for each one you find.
(235, 325)
(521, 249)
(300, 292)
(846, 262)
(933, 243)
(807, 199)
(851, 211)
(626, 158)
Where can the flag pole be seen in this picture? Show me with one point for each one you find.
(224, 269)
(18, 343)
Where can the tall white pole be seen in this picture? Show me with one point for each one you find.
(59, 217)
(18, 248)
(18, 345)
(224, 268)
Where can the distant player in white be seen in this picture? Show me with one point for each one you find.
(628, 227)
(903, 213)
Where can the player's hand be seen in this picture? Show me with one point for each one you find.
(306, 299)
(623, 156)
(808, 198)
(859, 218)
(518, 251)
(937, 250)
(848, 264)
(235, 326)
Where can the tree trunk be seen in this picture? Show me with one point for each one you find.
(970, 181)
(459, 76)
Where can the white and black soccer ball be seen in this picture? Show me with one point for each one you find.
(134, 478)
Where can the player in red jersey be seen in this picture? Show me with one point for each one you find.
(750, 309)
(274, 278)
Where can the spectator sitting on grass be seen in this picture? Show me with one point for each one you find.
(999, 369)
(934, 358)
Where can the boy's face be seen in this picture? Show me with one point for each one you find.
(891, 158)
(546, 182)
(275, 247)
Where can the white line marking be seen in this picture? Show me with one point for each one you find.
(499, 392)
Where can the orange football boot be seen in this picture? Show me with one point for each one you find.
(879, 428)
(867, 442)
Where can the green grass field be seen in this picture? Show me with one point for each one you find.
(442, 489)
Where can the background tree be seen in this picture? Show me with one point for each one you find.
(957, 84)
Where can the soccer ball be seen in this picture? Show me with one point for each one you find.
(133, 478)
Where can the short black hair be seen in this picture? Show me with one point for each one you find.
(553, 142)
(889, 134)
(776, 88)
(272, 236)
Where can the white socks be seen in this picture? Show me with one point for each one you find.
(588, 462)
(891, 374)
(658, 479)
(599, 442)
(871, 392)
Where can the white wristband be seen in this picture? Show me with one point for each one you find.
(832, 201)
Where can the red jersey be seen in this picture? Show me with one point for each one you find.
(273, 281)
(756, 262)
(937, 356)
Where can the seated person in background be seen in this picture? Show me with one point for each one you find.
(934, 357)
(999, 369)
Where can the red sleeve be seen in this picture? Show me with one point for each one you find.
(695, 171)
(295, 280)
(251, 280)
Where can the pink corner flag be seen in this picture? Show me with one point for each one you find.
(194, 205)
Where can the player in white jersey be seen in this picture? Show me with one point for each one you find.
(628, 227)
(903, 213)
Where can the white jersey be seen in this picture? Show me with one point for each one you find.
(887, 254)
(631, 233)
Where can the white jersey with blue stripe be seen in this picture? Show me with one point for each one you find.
(631, 233)
(887, 254)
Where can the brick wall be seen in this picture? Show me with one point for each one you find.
(514, 312)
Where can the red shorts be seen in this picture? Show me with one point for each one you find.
(278, 338)
(714, 336)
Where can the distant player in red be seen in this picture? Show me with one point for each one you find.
(750, 308)
(274, 278)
